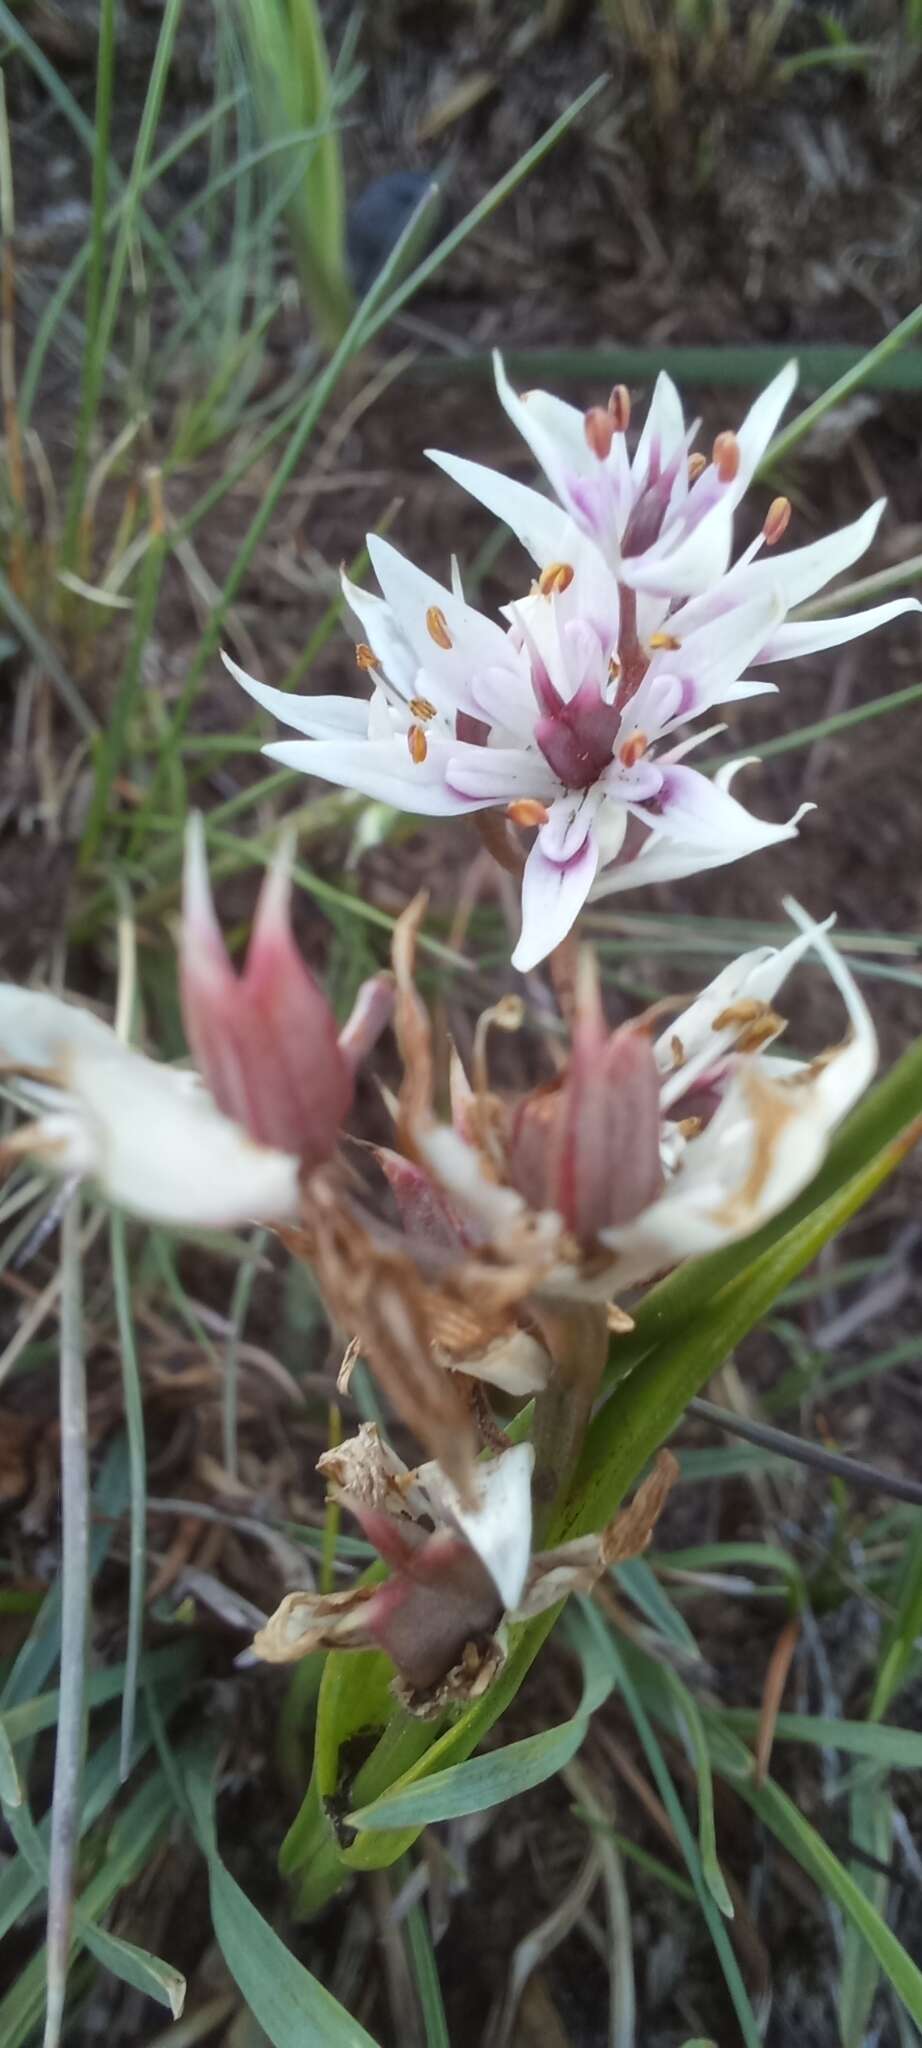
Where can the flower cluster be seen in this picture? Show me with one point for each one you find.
(492, 1246)
(571, 717)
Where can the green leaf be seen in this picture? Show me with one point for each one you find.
(870, 1828)
(899, 1749)
(639, 1581)
(502, 1774)
(10, 1787)
(137, 1967)
(286, 2001)
(691, 1727)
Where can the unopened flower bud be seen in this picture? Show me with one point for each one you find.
(589, 1144)
(265, 1040)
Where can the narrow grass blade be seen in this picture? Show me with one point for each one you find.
(426, 1978)
(75, 1620)
(48, 661)
(289, 2004)
(744, 367)
(787, 1823)
(851, 380)
(103, 305)
(92, 367)
(131, 1841)
(748, 2024)
(29, 1717)
(692, 1728)
(137, 1967)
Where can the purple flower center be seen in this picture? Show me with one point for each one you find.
(578, 739)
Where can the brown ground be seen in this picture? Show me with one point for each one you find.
(744, 213)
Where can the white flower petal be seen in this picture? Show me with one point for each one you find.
(382, 769)
(473, 641)
(553, 894)
(321, 717)
(383, 635)
(498, 1526)
(555, 432)
(150, 1135)
(547, 533)
(662, 434)
(812, 636)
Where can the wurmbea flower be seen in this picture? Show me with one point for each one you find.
(570, 716)
(276, 1080)
(644, 1152)
(458, 1568)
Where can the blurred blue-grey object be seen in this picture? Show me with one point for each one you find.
(377, 219)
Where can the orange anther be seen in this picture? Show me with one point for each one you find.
(557, 577)
(619, 407)
(632, 749)
(366, 656)
(527, 810)
(418, 744)
(599, 430)
(437, 628)
(664, 640)
(696, 465)
(726, 457)
(777, 520)
(421, 708)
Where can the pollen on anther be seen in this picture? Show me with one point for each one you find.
(664, 640)
(556, 578)
(633, 749)
(777, 520)
(422, 709)
(437, 628)
(619, 409)
(697, 464)
(527, 810)
(418, 744)
(614, 668)
(365, 656)
(726, 457)
(599, 430)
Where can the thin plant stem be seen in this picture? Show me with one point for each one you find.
(577, 1338)
(855, 1470)
(240, 1302)
(137, 1464)
(75, 1614)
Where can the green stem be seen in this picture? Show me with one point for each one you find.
(577, 1338)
